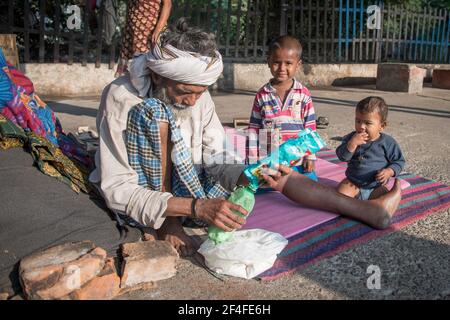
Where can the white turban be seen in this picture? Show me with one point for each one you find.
(174, 64)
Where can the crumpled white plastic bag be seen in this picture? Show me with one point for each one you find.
(248, 254)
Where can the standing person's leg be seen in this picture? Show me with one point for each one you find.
(376, 212)
(126, 44)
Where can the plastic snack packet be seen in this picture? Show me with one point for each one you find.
(243, 196)
(288, 154)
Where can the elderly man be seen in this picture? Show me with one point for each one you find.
(160, 139)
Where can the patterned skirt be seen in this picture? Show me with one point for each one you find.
(142, 17)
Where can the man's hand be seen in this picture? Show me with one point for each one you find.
(384, 175)
(357, 140)
(218, 212)
(308, 165)
(277, 179)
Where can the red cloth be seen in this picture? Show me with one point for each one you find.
(21, 80)
(93, 4)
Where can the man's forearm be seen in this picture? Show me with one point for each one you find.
(177, 206)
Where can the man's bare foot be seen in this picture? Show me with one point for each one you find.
(172, 231)
(387, 205)
(149, 234)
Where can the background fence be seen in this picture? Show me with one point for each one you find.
(337, 31)
(330, 30)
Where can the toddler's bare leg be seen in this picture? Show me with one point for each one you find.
(378, 192)
(347, 188)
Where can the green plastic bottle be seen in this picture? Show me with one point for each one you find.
(243, 196)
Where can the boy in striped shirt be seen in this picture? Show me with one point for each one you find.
(283, 107)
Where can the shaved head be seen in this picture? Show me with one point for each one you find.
(286, 42)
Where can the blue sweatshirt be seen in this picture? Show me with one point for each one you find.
(369, 158)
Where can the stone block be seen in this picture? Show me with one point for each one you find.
(105, 286)
(57, 271)
(4, 296)
(400, 77)
(147, 261)
(441, 78)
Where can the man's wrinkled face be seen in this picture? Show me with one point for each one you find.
(177, 96)
(182, 95)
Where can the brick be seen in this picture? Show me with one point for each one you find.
(441, 78)
(57, 271)
(147, 261)
(400, 78)
(142, 286)
(105, 286)
(57, 255)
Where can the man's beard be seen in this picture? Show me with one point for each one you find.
(180, 111)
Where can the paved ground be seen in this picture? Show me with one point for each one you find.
(414, 262)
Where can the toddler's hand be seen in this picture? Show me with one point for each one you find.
(277, 179)
(357, 140)
(308, 165)
(384, 175)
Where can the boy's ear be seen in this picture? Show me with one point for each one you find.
(383, 125)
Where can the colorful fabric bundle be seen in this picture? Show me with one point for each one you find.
(26, 111)
(5, 81)
(26, 120)
(51, 161)
(47, 156)
(32, 114)
(11, 136)
(21, 80)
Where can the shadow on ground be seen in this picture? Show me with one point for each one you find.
(72, 109)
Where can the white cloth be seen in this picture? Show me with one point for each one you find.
(174, 64)
(118, 182)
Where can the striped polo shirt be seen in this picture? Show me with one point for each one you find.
(282, 121)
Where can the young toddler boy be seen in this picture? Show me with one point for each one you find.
(373, 157)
